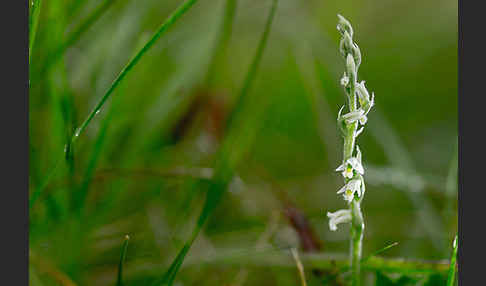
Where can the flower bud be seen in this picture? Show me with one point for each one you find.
(351, 68)
(344, 25)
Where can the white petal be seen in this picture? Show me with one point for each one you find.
(339, 113)
(353, 116)
(344, 80)
(359, 131)
(332, 226)
(363, 188)
(348, 173)
(354, 184)
(340, 216)
(358, 153)
(363, 119)
(362, 91)
(342, 190)
(341, 168)
(356, 165)
(337, 213)
(348, 197)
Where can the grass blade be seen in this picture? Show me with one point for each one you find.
(380, 251)
(181, 10)
(223, 38)
(451, 278)
(38, 191)
(161, 31)
(76, 34)
(82, 191)
(229, 156)
(119, 281)
(33, 22)
(300, 267)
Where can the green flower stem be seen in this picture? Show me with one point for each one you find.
(357, 227)
(357, 224)
(352, 56)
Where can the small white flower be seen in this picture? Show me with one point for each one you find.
(363, 119)
(344, 80)
(353, 163)
(362, 92)
(345, 169)
(350, 188)
(340, 216)
(357, 115)
(364, 97)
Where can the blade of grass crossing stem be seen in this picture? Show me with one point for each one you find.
(119, 280)
(241, 133)
(380, 251)
(181, 10)
(33, 22)
(76, 34)
(451, 278)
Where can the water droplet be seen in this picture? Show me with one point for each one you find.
(76, 134)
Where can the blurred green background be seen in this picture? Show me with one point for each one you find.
(134, 169)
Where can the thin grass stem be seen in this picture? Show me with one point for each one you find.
(223, 38)
(451, 278)
(74, 36)
(119, 280)
(229, 156)
(181, 10)
(33, 22)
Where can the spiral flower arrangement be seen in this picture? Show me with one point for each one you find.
(359, 104)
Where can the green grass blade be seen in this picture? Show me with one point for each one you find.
(254, 65)
(451, 278)
(229, 156)
(181, 10)
(223, 38)
(76, 34)
(33, 22)
(451, 187)
(119, 280)
(380, 251)
(162, 29)
(81, 193)
(38, 191)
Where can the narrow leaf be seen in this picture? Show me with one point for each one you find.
(119, 281)
(451, 278)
